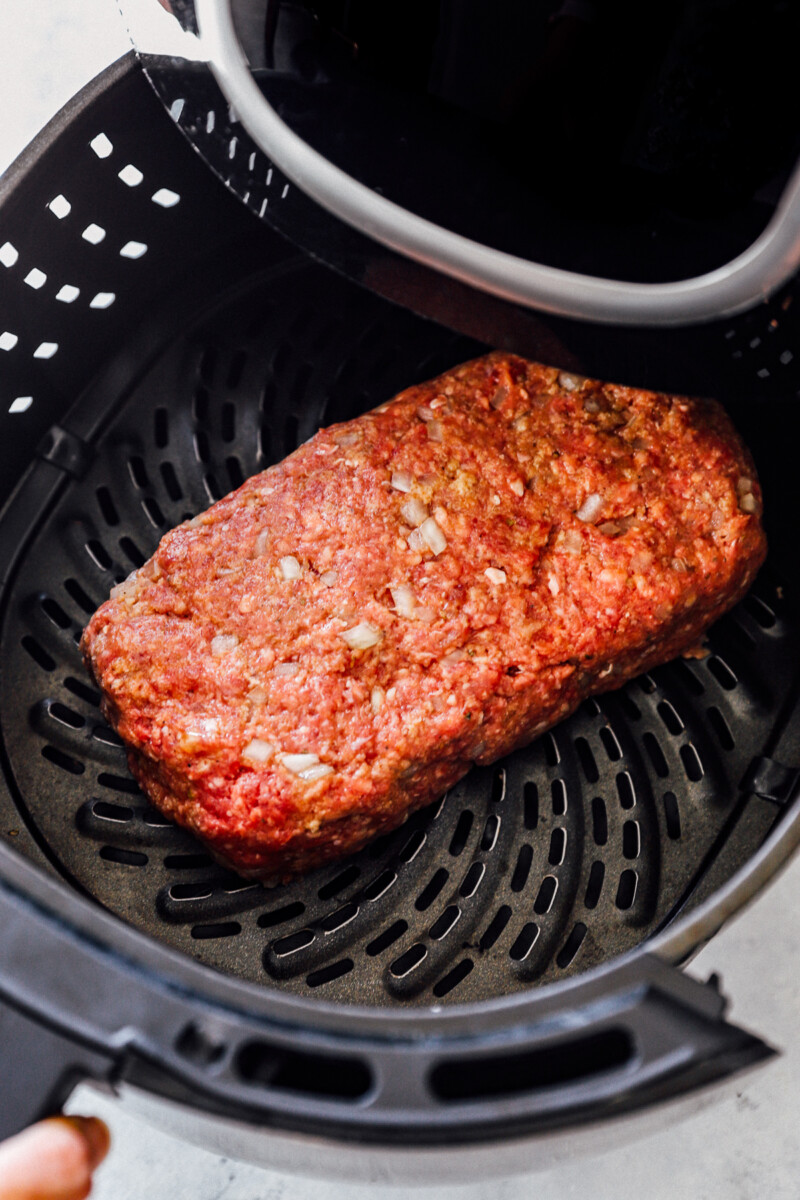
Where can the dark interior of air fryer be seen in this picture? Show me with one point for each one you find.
(168, 346)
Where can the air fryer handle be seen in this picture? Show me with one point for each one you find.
(657, 1037)
(39, 1068)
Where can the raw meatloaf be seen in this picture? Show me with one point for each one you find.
(334, 644)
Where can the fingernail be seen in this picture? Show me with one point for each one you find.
(96, 1135)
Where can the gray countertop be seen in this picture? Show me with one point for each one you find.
(743, 1147)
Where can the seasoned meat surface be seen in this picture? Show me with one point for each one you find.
(433, 584)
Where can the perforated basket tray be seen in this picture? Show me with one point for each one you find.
(565, 855)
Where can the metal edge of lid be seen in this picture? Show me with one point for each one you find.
(744, 281)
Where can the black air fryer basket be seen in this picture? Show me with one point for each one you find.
(508, 951)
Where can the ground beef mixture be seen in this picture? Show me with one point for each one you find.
(334, 644)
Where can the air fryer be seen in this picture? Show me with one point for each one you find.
(502, 969)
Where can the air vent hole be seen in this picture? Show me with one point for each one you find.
(495, 927)
(524, 942)
(572, 945)
(327, 974)
(461, 832)
(522, 869)
(386, 939)
(594, 885)
(626, 891)
(672, 816)
(278, 916)
(546, 895)
(406, 963)
(335, 886)
(431, 890)
(124, 858)
(453, 978)
(599, 821)
(531, 802)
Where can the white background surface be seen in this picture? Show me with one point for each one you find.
(746, 1147)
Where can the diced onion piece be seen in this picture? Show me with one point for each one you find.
(569, 382)
(318, 771)
(590, 507)
(748, 503)
(435, 431)
(376, 698)
(299, 762)
(257, 695)
(517, 487)
(290, 567)
(416, 541)
(286, 668)
(258, 751)
(433, 536)
(405, 601)
(591, 405)
(744, 485)
(402, 481)
(223, 643)
(610, 528)
(414, 511)
(554, 585)
(262, 542)
(499, 396)
(572, 541)
(455, 656)
(495, 575)
(425, 614)
(362, 636)
(329, 578)
(424, 413)
(348, 438)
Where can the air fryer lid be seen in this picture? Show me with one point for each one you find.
(532, 151)
(201, 351)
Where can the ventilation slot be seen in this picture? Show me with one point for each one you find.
(626, 892)
(522, 869)
(327, 974)
(278, 916)
(558, 792)
(672, 816)
(655, 754)
(530, 1070)
(599, 821)
(531, 803)
(406, 963)
(546, 895)
(586, 759)
(461, 833)
(443, 924)
(224, 929)
(65, 761)
(472, 880)
(453, 978)
(496, 927)
(431, 890)
(125, 858)
(525, 941)
(595, 885)
(317, 1074)
(571, 946)
(386, 939)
